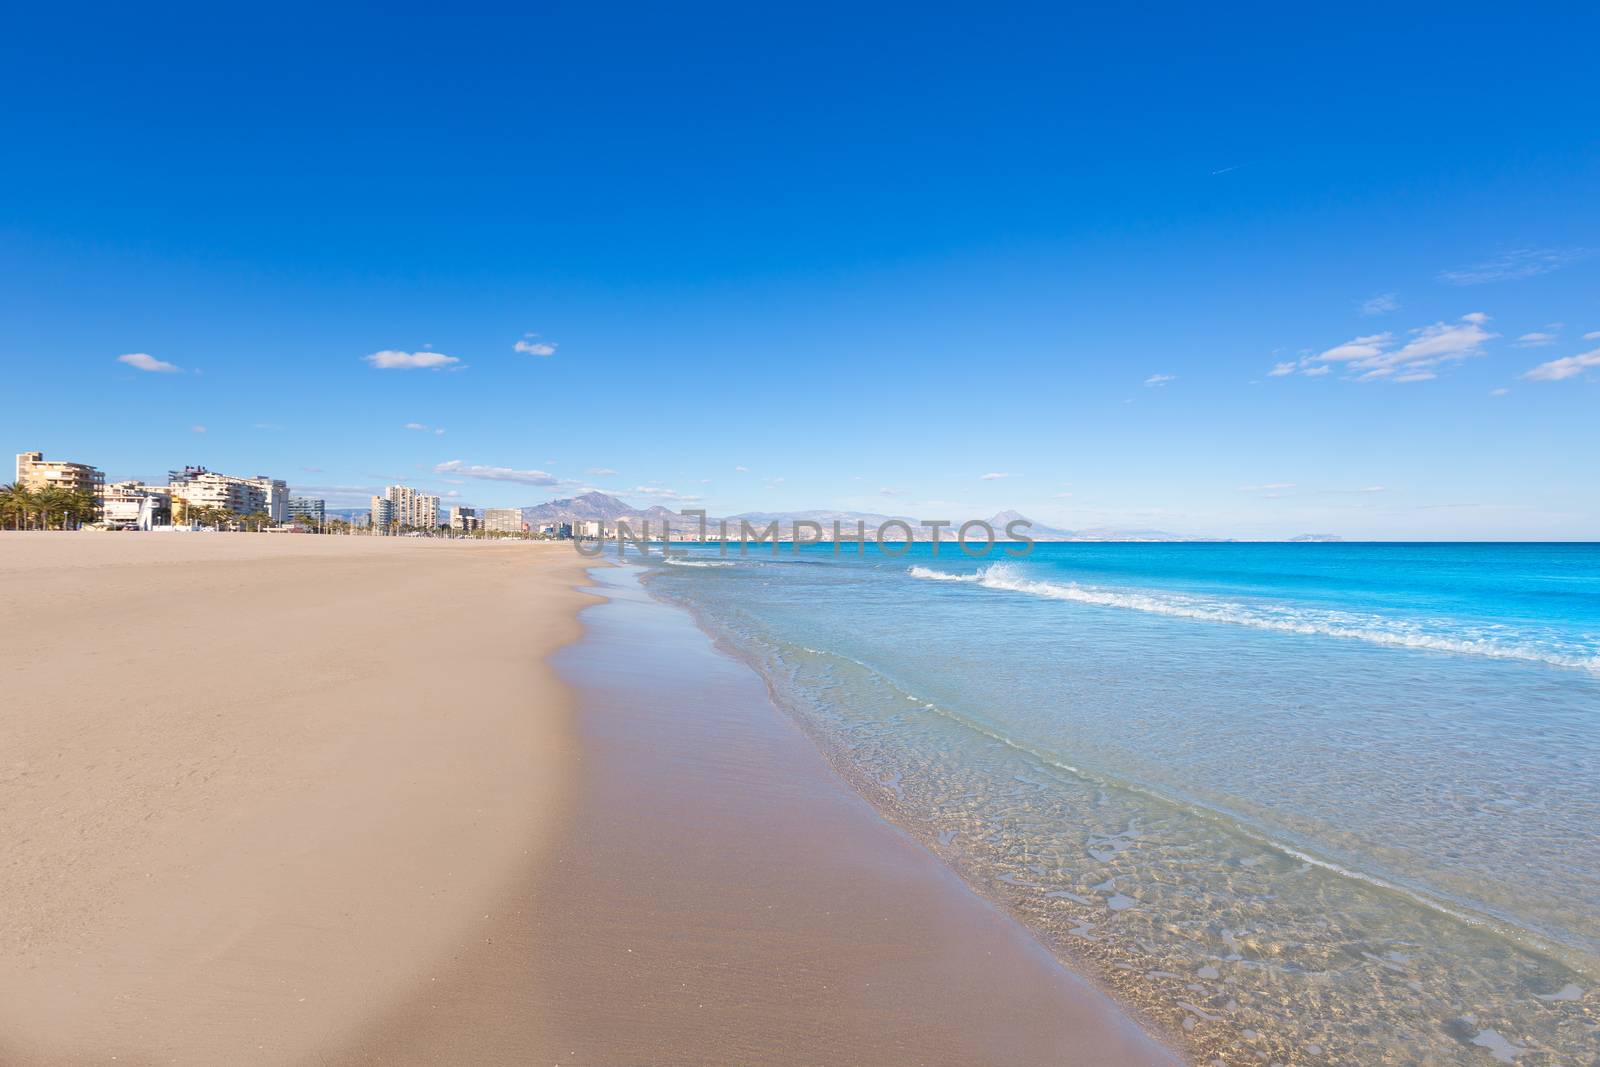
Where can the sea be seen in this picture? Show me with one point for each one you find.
(1289, 803)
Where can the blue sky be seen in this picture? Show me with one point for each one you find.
(824, 258)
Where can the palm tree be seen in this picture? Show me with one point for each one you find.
(52, 502)
(16, 505)
(83, 507)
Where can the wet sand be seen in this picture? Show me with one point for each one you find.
(718, 895)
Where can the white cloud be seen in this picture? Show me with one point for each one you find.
(1373, 489)
(741, 470)
(438, 432)
(886, 491)
(146, 362)
(599, 472)
(662, 493)
(1360, 348)
(1374, 357)
(496, 474)
(1502, 391)
(197, 428)
(1159, 379)
(1269, 487)
(1381, 304)
(995, 476)
(1062, 496)
(1280, 369)
(1537, 339)
(389, 359)
(415, 426)
(1567, 367)
(1511, 266)
(1592, 336)
(532, 346)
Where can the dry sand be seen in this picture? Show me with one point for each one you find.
(253, 787)
(285, 799)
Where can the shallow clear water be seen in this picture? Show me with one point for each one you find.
(1298, 803)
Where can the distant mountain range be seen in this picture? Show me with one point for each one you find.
(601, 507)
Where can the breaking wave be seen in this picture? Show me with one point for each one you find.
(1437, 637)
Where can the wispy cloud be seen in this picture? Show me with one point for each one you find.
(1566, 367)
(1385, 357)
(886, 491)
(1268, 488)
(661, 493)
(146, 362)
(995, 476)
(1537, 339)
(531, 345)
(390, 359)
(1513, 265)
(197, 428)
(415, 426)
(1159, 379)
(1381, 304)
(741, 470)
(496, 474)
(1593, 335)
(599, 472)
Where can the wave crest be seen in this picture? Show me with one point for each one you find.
(1371, 628)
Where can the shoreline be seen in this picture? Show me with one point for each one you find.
(779, 902)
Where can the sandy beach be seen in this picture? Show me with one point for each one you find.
(285, 799)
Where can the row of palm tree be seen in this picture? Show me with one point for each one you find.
(50, 508)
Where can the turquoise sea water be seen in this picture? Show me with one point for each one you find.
(1297, 803)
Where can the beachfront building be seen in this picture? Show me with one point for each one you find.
(382, 514)
(590, 528)
(465, 520)
(133, 505)
(315, 510)
(414, 509)
(196, 487)
(35, 473)
(503, 520)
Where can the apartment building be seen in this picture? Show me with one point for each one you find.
(465, 520)
(415, 509)
(197, 487)
(382, 513)
(503, 520)
(135, 505)
(34, 473)
(315, 510)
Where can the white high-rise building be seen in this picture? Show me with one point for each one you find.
(382, 513)
(419, 511)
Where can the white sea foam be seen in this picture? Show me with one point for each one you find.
(1009, 577)
(942, 576)
(676, 562)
